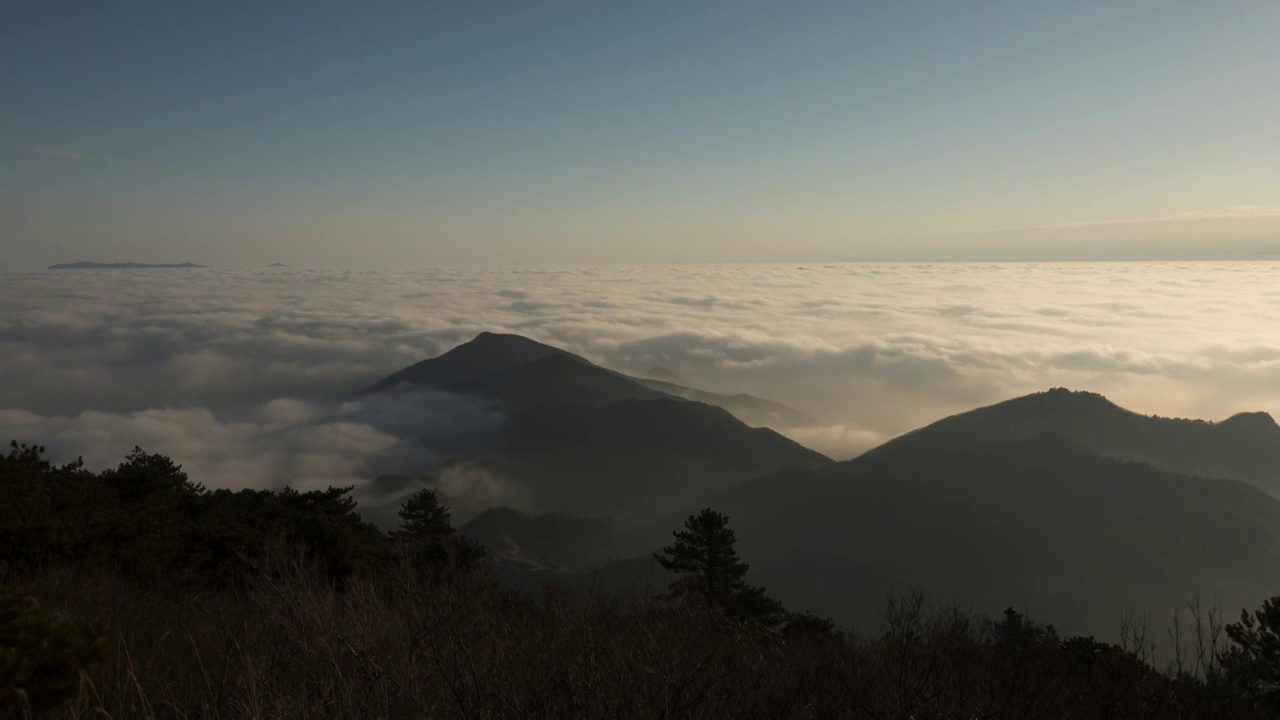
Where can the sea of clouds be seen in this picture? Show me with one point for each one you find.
(253, 377)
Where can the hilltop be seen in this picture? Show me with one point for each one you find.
(1243, 447)
(1040, 521)
(123, 266)
(587, 440)
(520, 373)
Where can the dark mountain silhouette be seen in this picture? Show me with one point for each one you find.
(639, 574)
(519, 374)
(752, 409)
(491, 527)
(121, 266)
(476, 363)
(1243, 447)
(662, 374)
(1040, 522)
(522, 373)
(555, 379)
(640, 457)
(593, 442)
(552, 539)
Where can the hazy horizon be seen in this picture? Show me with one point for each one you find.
(423, 134)
(1071, 255)
(195, 363)
(326, 325)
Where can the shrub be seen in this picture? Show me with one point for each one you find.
(45, 660)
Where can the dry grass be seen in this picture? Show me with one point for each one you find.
(410, 647)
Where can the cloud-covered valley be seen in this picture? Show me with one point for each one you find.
(252, 377)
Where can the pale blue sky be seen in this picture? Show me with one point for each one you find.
(424, 133)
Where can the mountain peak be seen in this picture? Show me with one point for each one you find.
(1061, 396)
(506, 349)
(1243, 447)
(1259, 422)
(84, 265)
(520, 372)
(489, 352)
(485, 353)
(494, 340)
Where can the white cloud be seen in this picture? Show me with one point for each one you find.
(870, 350)
(304, 444)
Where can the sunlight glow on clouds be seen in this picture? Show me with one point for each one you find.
(1235, 212)
(196, 363)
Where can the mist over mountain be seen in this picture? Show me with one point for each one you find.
(586, 440)
(640, 457)
(638, 360)
(1245, 446)
(520, 373)
(220, 368)
(1040, 522)
(749, 408)
(551, 539)
(868, 351)
(1061, 504)
(661, 374)
(1060, 501)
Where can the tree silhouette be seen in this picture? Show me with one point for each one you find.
(422, 516)
(710, 573)
(806, 624)
(428, 537)
(143, 475)
(1254, 663)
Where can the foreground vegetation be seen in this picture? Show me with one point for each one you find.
(135, 593)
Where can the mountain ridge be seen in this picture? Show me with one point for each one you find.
(1039, 522)
(1245, 446)
(84, 265)
(520, 372)
(590, 441)
(1030, 520)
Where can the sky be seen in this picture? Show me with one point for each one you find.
(414, 134)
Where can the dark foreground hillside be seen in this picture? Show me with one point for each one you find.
(1039, 523)
(297, 647)
(136, 593)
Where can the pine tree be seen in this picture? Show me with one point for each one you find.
(143, 475)
(1253, 663)
(422, 516)
(711, 574)
(427, 535)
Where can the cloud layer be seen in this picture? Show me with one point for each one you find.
(249, 376)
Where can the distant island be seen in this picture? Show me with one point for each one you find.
(121, 266)
(277, 265)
